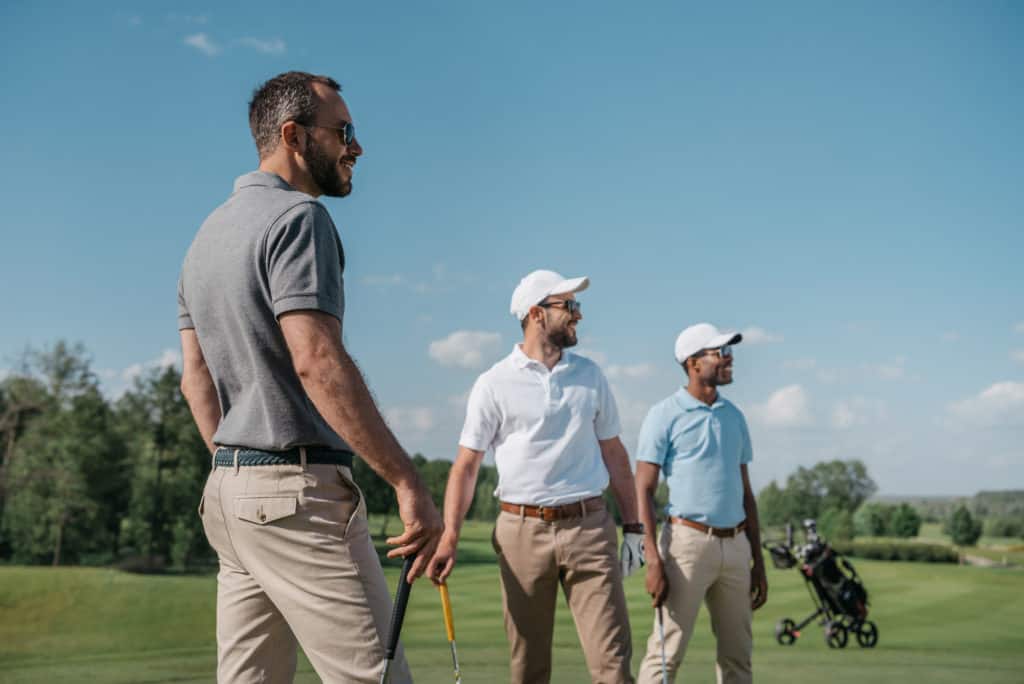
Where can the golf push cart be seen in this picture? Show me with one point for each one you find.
(841, 599)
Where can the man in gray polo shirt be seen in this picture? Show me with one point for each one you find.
(282, 407)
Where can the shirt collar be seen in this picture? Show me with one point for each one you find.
(521, 360)
(689, 403)
(263, 179)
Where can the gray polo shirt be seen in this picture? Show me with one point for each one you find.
(268, 250)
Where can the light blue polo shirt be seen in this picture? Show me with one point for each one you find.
(700, 449)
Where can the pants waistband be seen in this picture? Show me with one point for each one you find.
(228, 456)
(711, 531)
(577, 509)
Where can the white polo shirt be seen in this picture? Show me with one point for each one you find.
(544, 427)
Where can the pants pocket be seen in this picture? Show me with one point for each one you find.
(264, 510)
(202, 504)
(359, 505)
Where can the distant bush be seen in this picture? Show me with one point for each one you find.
(898, 551)
(836, 524)
(963, 528)
(1005, 526)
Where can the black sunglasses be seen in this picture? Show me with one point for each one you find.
(346, 133)
(721, 352)
(570, 305)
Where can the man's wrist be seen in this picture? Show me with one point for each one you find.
(633, 528)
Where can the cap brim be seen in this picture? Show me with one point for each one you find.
(724, 339)
(571, 285)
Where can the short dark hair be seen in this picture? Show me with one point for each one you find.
(286, 97)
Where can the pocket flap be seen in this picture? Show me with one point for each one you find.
(264, 509)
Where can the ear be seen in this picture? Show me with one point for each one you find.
(293, 136)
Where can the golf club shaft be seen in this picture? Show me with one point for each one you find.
(397, 615)
(449, 627)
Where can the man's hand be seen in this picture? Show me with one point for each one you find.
(441, 565)
(758, 586)
(631, 553)
(656, 583)
(423, 528)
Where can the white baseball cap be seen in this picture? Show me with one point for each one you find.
(703, 336)
(534, 288)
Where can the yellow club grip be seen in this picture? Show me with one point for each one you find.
(446, 606)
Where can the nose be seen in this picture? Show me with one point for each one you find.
(354, 148)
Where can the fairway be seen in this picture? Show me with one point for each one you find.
(937, 623)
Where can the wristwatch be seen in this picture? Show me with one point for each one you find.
(633, 528)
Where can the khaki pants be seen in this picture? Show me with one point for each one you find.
(579, 553)
(699, 568)
(296, 565)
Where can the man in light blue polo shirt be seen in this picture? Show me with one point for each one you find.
(710, 547)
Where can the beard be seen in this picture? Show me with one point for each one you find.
(325, 171)
(562, 338)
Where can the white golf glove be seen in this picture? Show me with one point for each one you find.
(631, 554)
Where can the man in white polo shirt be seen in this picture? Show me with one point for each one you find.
(710, 548)
(552, 421)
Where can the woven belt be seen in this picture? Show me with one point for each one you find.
(715, 531)
(225, 457)
(577, 509)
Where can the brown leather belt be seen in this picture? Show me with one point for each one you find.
(577, 509)
(715, 531)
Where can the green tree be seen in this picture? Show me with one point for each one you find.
(836, 524)
(872, 519)
(773, 505)
(904, 521)
(842, 485)
(963, 528)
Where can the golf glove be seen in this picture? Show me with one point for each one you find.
(631, 554)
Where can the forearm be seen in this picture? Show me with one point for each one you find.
(753, 528)
(458, 494)
(201, 395)
(646, 485)
(336, 387)
(620, 477)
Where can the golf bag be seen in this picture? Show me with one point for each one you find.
(835, 588)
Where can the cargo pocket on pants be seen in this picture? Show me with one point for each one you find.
(263, 510)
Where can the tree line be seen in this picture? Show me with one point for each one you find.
(88, 479)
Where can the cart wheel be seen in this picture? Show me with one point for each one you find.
(785, 632)
(836, 635)
(867, 635)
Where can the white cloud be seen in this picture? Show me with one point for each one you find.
(951, 336)
(1019, 328)
(598, 357)
(116, 382)
(849, 413)
(891, 370)
(411, 418)
(800, 364)
(465, 348)
(203, 43)
(1000, 405)
(636, 371)
(1017, 355)
(785, 407)
(757, 335)
(272, 46)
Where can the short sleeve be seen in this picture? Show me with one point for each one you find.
(305, 262)
(652, 446)
(606, 422)
(747, 450)
(482, 418)
(184, 317)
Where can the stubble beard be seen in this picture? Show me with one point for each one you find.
(324, 171)
(562, 338)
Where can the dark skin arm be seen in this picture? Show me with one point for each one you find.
(647, 475)
(758, 579)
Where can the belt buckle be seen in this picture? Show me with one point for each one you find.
(541, 513)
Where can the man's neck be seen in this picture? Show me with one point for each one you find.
(542, 351)
(701, 392)
(291, 175)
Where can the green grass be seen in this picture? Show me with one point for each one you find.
(937, 623)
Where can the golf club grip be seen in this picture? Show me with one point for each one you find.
(446, 606)
(401, 600)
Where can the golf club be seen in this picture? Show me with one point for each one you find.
(449, 627)
(661, 635)
(397, 616)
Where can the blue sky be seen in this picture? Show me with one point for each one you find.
(842, 183)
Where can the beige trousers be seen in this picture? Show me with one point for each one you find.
(535, 557)
(296, 565)
(716, 570)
